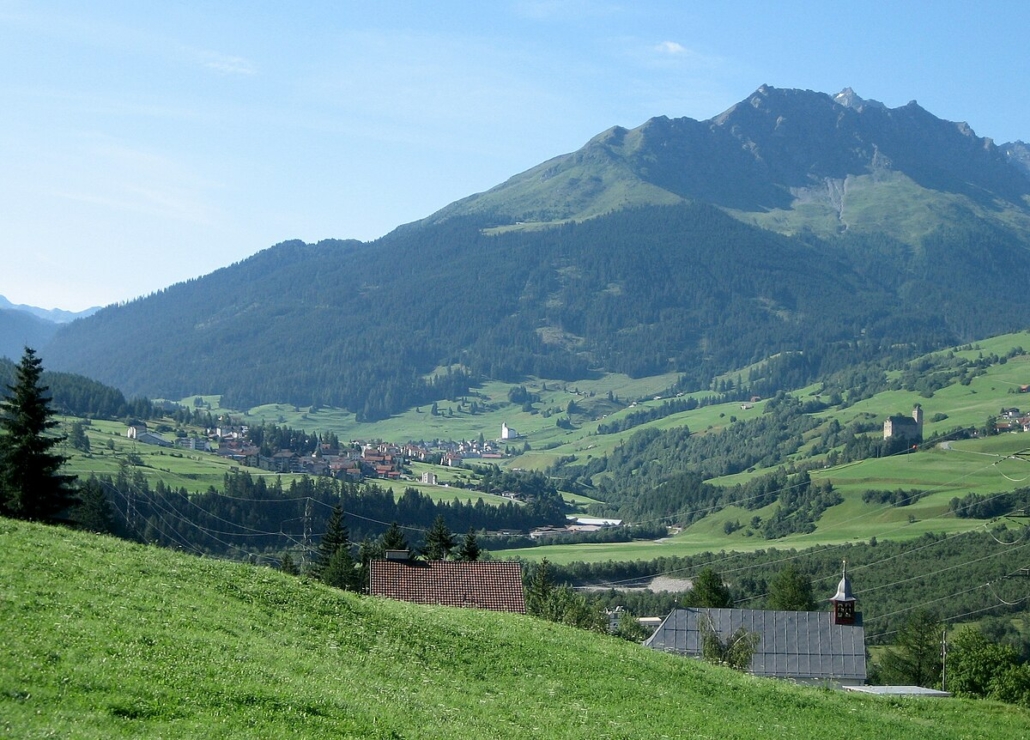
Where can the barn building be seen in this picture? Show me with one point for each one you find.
(823, 647)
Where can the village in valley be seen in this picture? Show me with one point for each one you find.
(358, 461)
(354, 461)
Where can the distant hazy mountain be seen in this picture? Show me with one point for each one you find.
(1018, 153)
(56, 315)
(20, 329)
(828, 229)
(28, 326)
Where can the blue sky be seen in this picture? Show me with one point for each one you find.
(142, 144)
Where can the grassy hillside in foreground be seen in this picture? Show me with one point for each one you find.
(104, 639)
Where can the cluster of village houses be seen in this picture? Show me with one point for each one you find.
(355, 461)
(1012, 420)
(358, 461)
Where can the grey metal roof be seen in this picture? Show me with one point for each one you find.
(791, 644)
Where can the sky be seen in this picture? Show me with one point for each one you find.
(147, 143)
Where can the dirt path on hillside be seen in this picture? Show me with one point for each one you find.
(673, 585)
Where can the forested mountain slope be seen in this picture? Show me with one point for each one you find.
(890, 231)
(19, 329)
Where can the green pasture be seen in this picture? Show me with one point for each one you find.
(107, 639)
(585, 442)
(443, 490)
(455, 421)
(852, 524)
(875, 206)
(110, 449)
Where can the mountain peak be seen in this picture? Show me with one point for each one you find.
(849, 99)
(779, 150)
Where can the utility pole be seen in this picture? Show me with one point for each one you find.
(130, 508)
(307, 527)
(944, 658)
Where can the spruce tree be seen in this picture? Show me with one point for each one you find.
(286, 565)
(31, 486)
(469, 550)
(539, 589)
(791, 590)
(708, 590)
(94, 512)
(336, 537)
(340, 571)
(368, 551)
(915, 657)
(393, 538)
(439, 541)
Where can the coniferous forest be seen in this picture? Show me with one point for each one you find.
(683, 289)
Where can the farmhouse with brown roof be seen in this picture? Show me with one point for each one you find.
(476, 585)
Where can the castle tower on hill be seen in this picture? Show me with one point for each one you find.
(904, 427)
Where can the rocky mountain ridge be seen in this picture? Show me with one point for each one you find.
(775, 151)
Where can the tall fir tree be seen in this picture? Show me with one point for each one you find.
(539, 589)
(915, 657)
(439, 541)
(393, 538)
(31, 486)
(369, 550)
(791, 590)
(340, 570)
(94, 511)
(468, 551)
(336, 537)
(708, 590)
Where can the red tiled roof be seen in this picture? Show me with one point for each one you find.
(494, 586)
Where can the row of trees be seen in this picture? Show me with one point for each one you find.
(81, 396)
(342, 563)
(973, 663)
(250, 516)
(789, 590)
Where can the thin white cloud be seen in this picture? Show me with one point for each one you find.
(671, 47)
(670, 55)
(227, 65)
(120, 178)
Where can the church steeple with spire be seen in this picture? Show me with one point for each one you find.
(844, 600)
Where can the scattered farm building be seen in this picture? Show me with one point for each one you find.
(495, 586)
(824, 647)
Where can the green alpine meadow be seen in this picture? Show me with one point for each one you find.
(107, 639)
